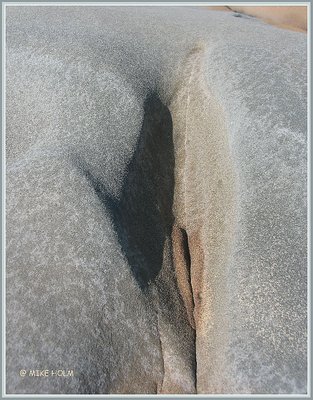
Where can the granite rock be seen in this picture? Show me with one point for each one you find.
(155, 200)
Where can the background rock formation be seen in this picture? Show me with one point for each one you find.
(156, 201)
(285, 17)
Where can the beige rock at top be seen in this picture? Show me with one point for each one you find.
(288, 17)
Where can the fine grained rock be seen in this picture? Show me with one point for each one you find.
(156, 201)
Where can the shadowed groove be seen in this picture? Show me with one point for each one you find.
(143, 215)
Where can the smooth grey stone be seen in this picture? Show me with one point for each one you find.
(141, 141)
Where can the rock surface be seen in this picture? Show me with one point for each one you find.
(156, 201)
(285, 17)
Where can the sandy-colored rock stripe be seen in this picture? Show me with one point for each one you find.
(200, 137)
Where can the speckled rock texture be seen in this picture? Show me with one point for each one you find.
(156, 201)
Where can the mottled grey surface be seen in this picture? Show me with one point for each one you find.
(100, 102)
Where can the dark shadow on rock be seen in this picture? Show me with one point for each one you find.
(143, 215)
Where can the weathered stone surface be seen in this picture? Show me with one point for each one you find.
(156, 201)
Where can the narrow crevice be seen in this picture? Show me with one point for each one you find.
(188, 263)
(159, 386)
(186, 252)
(182, 265)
